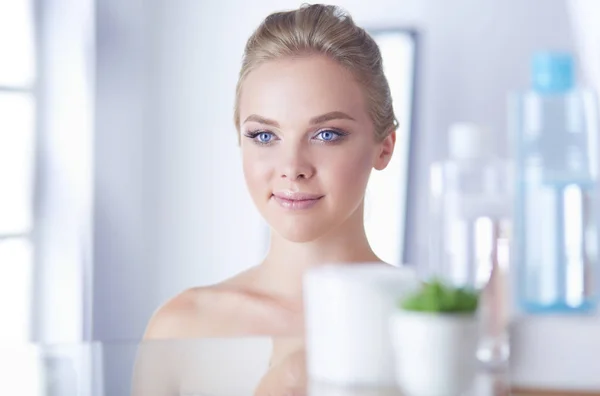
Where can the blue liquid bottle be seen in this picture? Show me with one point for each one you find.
(556, 218)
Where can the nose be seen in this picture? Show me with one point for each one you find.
(296, 165)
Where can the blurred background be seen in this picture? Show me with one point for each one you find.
(120, 175)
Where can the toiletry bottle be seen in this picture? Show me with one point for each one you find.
(471, 210)
(554, 125)
(469, 206)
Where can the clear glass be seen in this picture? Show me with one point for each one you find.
(470, 211)
(193, 367)
(470, 207)
(557, 201)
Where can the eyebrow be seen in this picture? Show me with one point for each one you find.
(333, 115)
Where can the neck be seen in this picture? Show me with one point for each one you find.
(287, 261)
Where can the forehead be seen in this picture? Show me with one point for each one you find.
(294, 90)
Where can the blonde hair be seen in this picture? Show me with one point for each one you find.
(325, 30)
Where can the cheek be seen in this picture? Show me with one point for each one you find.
(257, 171)
(348, 174)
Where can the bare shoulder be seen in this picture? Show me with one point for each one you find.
(201, 311)
(179, 317)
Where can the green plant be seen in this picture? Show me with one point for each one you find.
(435, 296)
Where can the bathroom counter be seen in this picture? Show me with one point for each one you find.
(204, 367)
(486, 385)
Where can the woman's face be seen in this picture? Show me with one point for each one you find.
(308, 145)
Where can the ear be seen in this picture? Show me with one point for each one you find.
(385, 150)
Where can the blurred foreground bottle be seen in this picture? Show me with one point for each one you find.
(555, 127)
(470, 207)
(470, 213)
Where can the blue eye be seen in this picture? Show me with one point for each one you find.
(265, 137)
(328, 135)
(261, 137)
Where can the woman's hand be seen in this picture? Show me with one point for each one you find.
(285, 378)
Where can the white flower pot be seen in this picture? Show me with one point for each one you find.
(435, 354)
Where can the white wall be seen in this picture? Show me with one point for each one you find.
(170, 202)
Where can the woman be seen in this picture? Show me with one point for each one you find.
(314, 115)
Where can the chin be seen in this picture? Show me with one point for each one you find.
(300, 233)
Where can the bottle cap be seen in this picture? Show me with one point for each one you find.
(552, 72)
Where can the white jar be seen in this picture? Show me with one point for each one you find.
(347, 313)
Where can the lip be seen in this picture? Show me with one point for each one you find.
(296, 200)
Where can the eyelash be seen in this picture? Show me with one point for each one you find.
(338, 133)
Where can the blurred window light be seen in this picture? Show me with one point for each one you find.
(15, 288)
(16, 44)
(385, 201)
(16, 165)
(17, 130)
